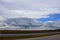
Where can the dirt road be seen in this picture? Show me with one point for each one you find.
(54, 37)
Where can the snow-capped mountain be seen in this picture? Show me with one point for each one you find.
(18, 23)
(3, 21)
(51, 25)
(21, 22)
(24, 22)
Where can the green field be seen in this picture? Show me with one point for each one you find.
(24, 37)
(49, 33)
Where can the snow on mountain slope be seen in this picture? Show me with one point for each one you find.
(24, 22)
(51, 25)
(19, 23)
(15, 23)
(2, 21)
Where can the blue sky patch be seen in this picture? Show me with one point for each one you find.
(52, 17)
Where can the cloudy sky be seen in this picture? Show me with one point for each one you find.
(42, 9)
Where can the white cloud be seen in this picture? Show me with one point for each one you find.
(2, 18)
(29, 8)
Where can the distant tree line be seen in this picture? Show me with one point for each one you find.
(26, 31)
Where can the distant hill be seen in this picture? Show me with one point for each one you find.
(26, 23)
(22, 22)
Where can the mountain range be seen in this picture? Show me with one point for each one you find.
(26, 23)
(21, 22)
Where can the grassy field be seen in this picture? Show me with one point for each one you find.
(26, 31)
(24, 37)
